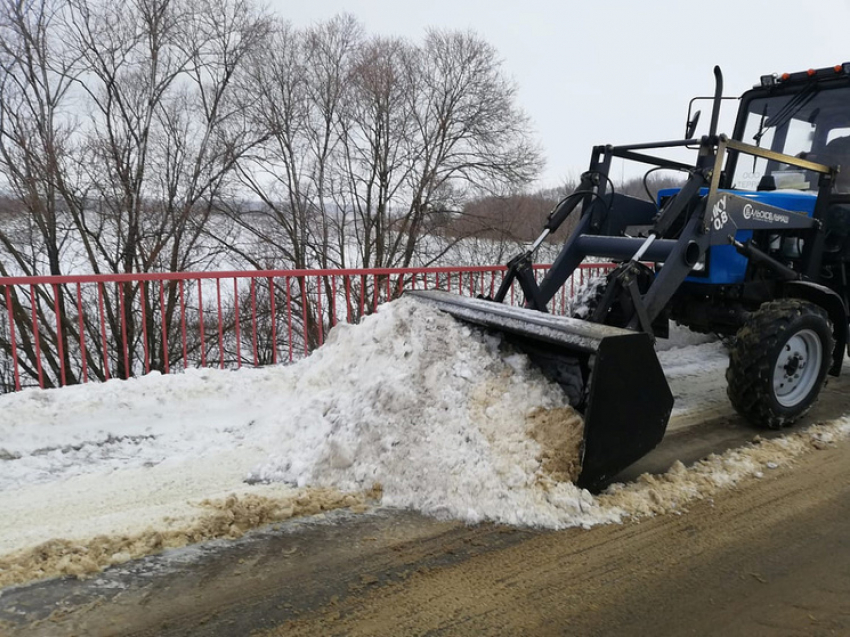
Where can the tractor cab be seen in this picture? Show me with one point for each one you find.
(754, 245)
(803, 114)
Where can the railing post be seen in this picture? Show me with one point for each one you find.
(36, 337)
(146, 345)
(104, 340)
(273, 320)
(12, 340)
(201, 324)
(164, 326)
(236, 323)
(220, 324)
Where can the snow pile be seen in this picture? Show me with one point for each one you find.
(98, 428)
(409, 408)
(670, 492)
(227, 517)
(410, 402)
(437, 415)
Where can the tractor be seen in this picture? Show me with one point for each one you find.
(753, 247)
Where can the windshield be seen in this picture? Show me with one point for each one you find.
(810, 124)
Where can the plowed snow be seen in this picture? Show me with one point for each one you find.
(439, 417)
(432, 414)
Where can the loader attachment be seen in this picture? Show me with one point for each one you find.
(610, 375)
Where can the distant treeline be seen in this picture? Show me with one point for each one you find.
(520, 217)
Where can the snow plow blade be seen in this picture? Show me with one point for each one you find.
(611, 376)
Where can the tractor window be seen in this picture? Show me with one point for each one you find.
(799, 124)
(750, 170)
(799, 137)
(835, 133)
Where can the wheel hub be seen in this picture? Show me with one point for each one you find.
(797, 368)
(794, 363)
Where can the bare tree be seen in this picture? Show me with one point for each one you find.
(120, 128)
(379, 146)
(299, 80)
(36, 141)
(473, 136)
(369, 137)
(35, 77)
(373, 140)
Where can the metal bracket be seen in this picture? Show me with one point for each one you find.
(521, 269)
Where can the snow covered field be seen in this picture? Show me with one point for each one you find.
(407, 409)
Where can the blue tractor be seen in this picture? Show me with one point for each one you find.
(754, 246)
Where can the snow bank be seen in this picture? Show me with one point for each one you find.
(409, 403)
(410, 408)
(672, 491)
(439, 416)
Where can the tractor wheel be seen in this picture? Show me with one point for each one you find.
(778, 363)
(587, 297)
(590, 295)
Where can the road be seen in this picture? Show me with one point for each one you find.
(771, 557)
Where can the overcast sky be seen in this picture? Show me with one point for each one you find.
(615, 71)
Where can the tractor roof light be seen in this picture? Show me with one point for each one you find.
(846, 67)
(768, 80)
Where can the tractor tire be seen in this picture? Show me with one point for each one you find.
(590, 295)
(587, 297)
(779, 361)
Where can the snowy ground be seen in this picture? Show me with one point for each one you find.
(408, 409)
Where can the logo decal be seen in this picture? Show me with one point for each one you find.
(764, 215)
(719, 216)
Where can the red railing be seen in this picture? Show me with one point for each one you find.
(61, 330)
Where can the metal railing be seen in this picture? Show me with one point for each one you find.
(64, 330)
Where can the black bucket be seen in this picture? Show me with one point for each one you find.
(611, 376)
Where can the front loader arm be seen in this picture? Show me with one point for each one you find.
(520, 268)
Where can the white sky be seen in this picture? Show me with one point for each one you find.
(615, 71)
